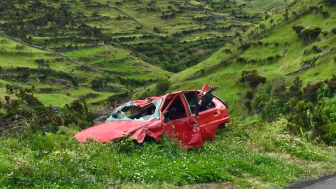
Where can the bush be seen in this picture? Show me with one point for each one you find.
(295, 89)
(244, 47)
(272, 109)
(279, 88)
(310, 91)
(252, 78)
(261, 97)
(333, 30)
(307, 117)
(330, 2)
(331, 85)
(298, 29)
(329, 110)
(310, 33)
(329, 136)
(33, 116)
(162, 86)
(300, 118)
(98, 83)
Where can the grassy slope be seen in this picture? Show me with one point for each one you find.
(118, 60)
(227, 78)
(266, 5)
(11, 57)
(248, 154)
(110, 57)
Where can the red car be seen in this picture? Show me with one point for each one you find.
(191, 117)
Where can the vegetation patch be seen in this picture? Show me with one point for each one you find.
(243, 153)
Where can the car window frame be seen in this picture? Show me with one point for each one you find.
(184, 102)
(197, 92)
(187, 104)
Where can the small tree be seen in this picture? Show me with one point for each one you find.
(162, 86)
(330, 2)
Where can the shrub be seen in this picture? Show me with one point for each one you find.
(307, 117)
(247, 104)
(98, 83)
(279, 88)
(331, 85)
(310, 33)
(300, 118)
(261, 97)
(310, 91)
(329, 110)
(333, 30)
(252, 78)
(298, 29)
(329, 136)
(249, 95)
(241, 60)
(162, 86)
(244, 47)
(272, 109)
(330, 2)
(295, 88)
(227, 51)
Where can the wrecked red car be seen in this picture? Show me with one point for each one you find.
(191, 117)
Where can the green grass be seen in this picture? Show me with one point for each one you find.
(54, 99)
(90, 52)
(266, 5)
(247, 153)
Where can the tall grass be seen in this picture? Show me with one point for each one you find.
(246, 153)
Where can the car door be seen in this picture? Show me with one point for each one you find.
(208, 114)
(179, 124)
(209, 121)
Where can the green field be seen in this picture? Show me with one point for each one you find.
(72, 61)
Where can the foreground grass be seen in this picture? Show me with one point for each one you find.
(247, 154)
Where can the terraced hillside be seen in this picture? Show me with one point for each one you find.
(267, 5)
(58, 79)
(274, 49)
(172, 34)
(64, 63)
(93, 48)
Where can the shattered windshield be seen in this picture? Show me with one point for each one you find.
(131, 111)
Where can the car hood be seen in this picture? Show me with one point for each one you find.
(108, 131)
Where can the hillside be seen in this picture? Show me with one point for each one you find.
(266, 5)
(64, 63)
(101, 47)
(273, 49)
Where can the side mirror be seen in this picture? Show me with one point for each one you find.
(166, 116)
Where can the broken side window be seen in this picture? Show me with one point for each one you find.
(176, 109)
(192, 100)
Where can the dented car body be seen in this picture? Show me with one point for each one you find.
(192, 117)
